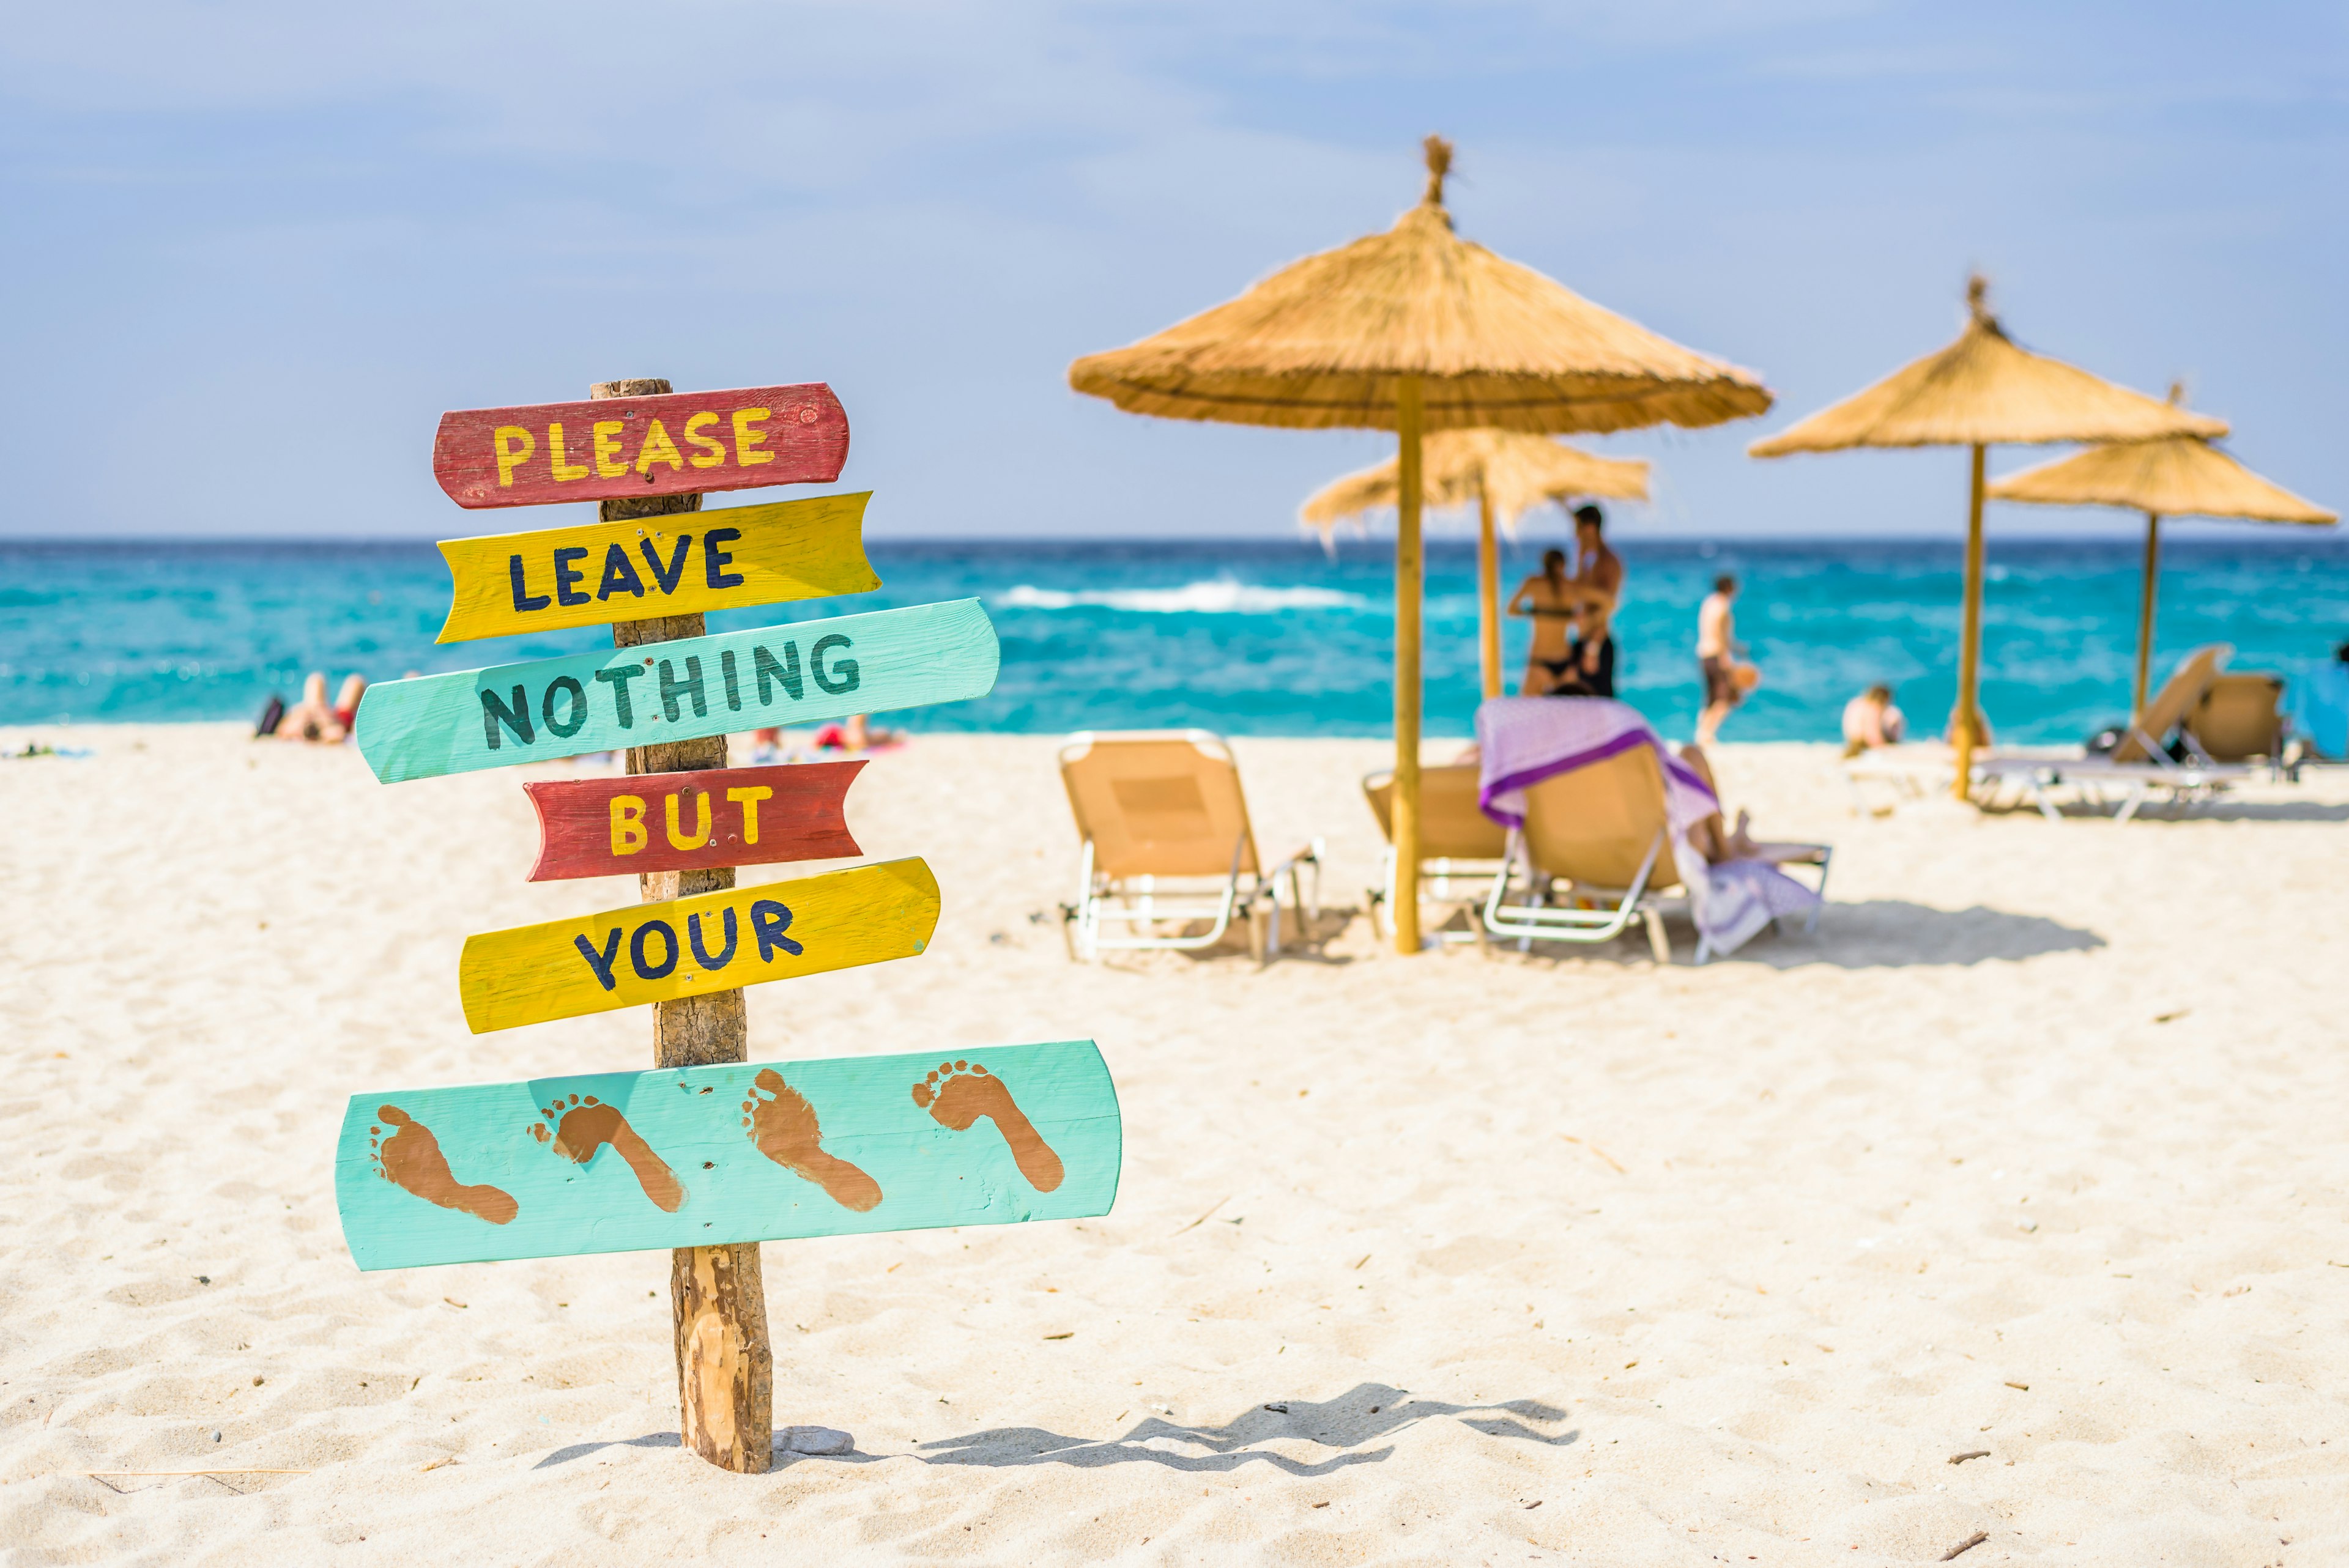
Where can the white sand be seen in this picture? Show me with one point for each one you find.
(1868, 1186)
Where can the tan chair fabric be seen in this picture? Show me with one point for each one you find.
(1165, 804)
(2240, 715)
(1451, 828)
(2174, 701)
(1595, 825)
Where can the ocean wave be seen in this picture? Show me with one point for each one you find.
(1220, 597)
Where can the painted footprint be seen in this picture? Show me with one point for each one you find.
(967, 1093)
(409, 1157)
(784, 1129)
(580, 1128)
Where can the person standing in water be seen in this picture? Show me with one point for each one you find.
(1717, 648)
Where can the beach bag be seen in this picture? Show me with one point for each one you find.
(270, 714)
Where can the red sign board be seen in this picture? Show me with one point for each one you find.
(692, 821)
(667, 444)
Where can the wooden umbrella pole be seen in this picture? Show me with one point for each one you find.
(725, 1370)
(2145, 614)
(1408, 571)
(1489, 594)
(1965, 720)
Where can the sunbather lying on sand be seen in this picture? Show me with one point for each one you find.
(313, 718)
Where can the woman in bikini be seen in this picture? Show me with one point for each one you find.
(1554, 601)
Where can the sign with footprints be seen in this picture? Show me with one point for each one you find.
(695, 1157)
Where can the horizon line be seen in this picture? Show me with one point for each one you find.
(2295, 536)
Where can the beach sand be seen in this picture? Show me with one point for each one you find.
(2034, 1152)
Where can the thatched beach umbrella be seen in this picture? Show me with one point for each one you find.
(1505, 473)
(1416, 330)
(1983, 390)
(2177, 477)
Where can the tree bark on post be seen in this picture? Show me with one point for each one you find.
(725, 1369)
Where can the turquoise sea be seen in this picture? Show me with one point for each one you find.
(1244, 637)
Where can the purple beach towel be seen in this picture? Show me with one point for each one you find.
(1522, 740)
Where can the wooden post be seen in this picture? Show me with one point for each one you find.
(1408, 571)
(725, 1369)
(1965, 720)
(1489, 594)
(2145, 615)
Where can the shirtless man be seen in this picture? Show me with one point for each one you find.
(1598, 570)
(1717, 648)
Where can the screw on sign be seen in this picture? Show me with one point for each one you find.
(707, 1154)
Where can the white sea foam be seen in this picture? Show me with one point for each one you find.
(1220, 597)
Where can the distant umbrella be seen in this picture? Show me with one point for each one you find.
(1984, 390)
(1416, 330)
(1505, 473)
(2181, 476)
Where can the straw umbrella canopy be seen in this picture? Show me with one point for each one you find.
(2179, 476)
(1984, 390)
(1416, 330)
(1505, 473)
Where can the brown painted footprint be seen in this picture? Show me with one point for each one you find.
(784, 1129)
(960, 1092)
(409, 1157)
(580, 1128)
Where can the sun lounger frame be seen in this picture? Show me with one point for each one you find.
(1438, 897)
(1139, 902)
(1616, 908)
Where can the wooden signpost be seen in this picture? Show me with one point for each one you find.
(689, 822)
(555, 578)
(707, 1154)
(615, 1162)
(694, 687)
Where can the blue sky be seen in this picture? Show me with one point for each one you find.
(257, 246)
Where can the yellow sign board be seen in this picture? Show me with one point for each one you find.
(597, 572)
(692, 947)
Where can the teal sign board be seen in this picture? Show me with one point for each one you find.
(800, 674)
(699, 1157)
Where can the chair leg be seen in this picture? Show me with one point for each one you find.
(1658, 942)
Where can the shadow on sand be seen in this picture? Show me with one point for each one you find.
(2219, 810)
(1332, 1435)
(1877, 934)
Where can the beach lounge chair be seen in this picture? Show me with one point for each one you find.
(2241, 717)
(2141, 764)
(1461, 849)
(1595, 854)
(1166, 844)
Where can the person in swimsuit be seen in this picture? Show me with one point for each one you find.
(1598, 569)
(1717, 648)
(1552, 599)
(314, 719)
